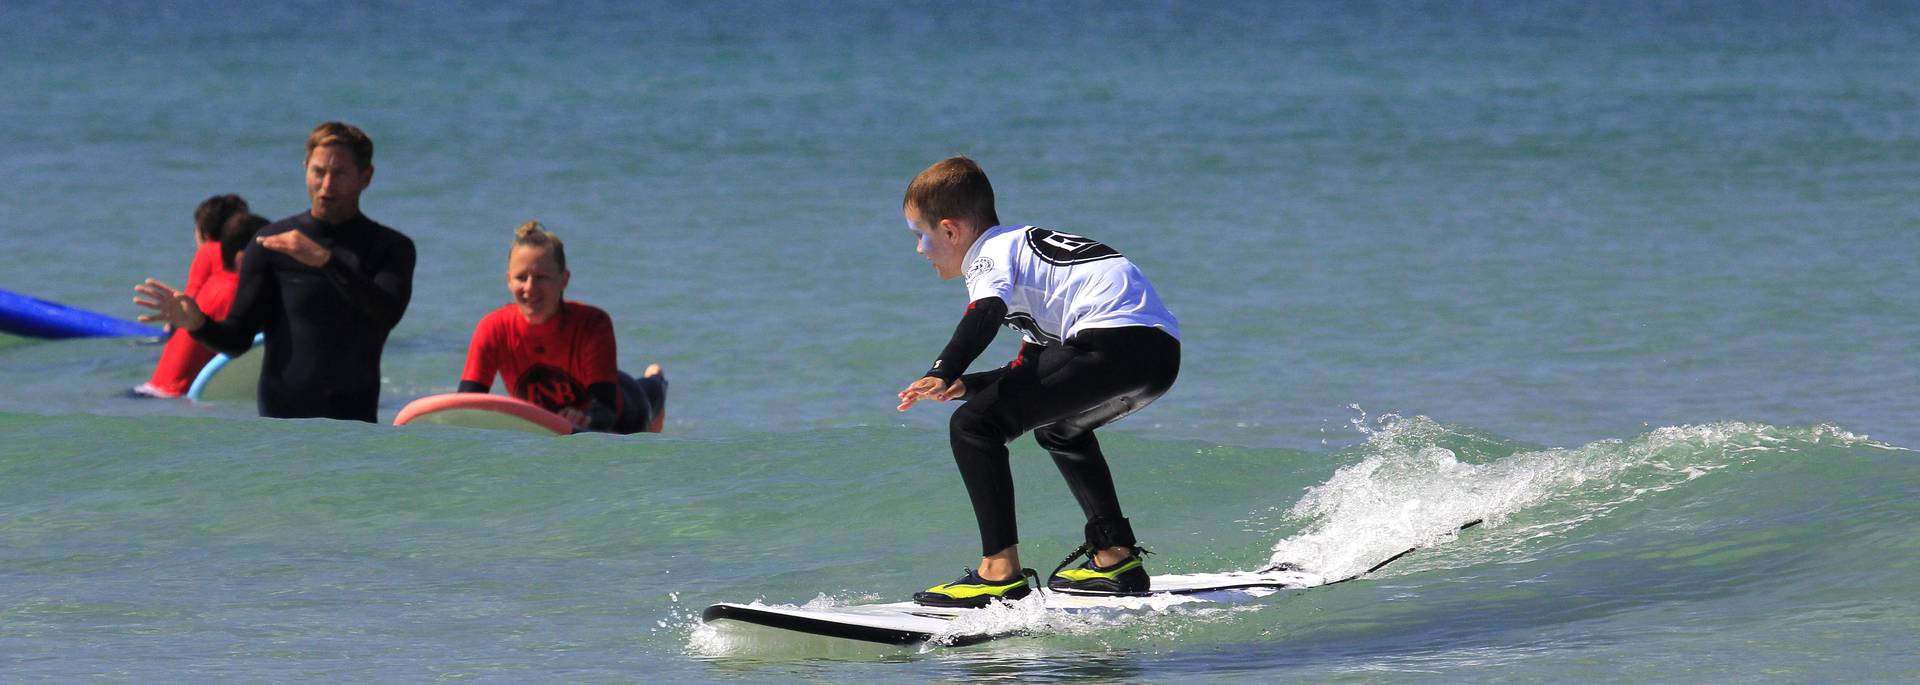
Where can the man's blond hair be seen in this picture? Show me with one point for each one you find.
(344, 135)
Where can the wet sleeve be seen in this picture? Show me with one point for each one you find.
(1029, 351)
(970, 338)
(605, 408)
(379, 285)
(599, 352)
(257, 290)
(481, 365)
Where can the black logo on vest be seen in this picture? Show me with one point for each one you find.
(1062, 249)
(549, 387)
(1025, 323)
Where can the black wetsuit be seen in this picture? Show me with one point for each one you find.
(1061, 392)
(325, 327)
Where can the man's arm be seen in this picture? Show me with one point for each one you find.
(381, 294)
(256, 291)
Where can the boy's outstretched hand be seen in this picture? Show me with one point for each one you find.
(931, 388)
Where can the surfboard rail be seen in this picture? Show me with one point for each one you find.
(33, 317)
(907, 623)
(226, 378)
(482, 410)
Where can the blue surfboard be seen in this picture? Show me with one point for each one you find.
(229, 379)
(37, 318)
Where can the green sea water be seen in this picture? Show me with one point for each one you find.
(1629, 282)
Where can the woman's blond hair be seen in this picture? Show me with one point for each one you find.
(532, 234)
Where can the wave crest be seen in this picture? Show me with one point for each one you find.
(1416, 481)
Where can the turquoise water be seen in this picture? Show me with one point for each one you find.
(1629, 282)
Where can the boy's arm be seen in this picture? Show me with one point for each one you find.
(1029, 351)
(971, 337)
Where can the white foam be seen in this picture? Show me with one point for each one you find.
(1052, 614)
(1410, 492)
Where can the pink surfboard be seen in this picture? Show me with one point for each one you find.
(480, 410)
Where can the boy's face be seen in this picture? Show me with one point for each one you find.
(945, 243)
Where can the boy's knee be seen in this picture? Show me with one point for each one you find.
(972, 422)
(1059, 437)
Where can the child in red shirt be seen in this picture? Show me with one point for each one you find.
(211, 281)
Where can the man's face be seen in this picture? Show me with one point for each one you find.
(334, 182)
(940, 243)
(536, 281)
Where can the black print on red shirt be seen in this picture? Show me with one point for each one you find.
(550, 387)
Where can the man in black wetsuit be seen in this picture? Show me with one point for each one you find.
(326, 286)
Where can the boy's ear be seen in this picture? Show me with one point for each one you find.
(954, 228)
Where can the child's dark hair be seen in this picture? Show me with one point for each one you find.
(953, 188)
(212, 214)
(237, 233)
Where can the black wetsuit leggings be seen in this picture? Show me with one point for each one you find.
(641, 400)
(1096, 377)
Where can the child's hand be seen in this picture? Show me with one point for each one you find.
(931, 388)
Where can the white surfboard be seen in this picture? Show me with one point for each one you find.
(907, 623)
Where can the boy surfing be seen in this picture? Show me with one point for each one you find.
(1097, 345)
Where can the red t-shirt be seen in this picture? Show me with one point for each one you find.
(206, 263)
(212, 286)
(551, 364)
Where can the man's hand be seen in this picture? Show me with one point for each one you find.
(931, 388)
(176, 308)
(298, 246)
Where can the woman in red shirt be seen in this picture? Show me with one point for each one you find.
(211, 281)
(559, 354)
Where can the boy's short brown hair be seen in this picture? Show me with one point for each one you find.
(953, 188)
(343, 134)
